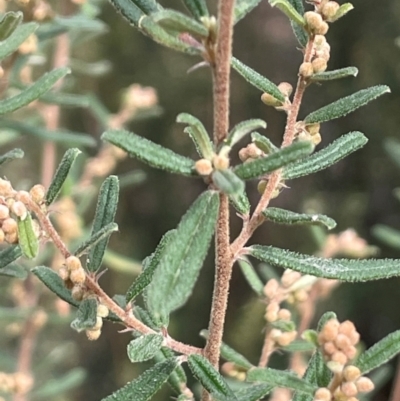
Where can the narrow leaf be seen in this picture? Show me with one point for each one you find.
(263, 143)
(230, 354)
(33, 92)
(147, 384)
(281, 378)
(244, 128)
(243, 7)
(198, 133)
(11, 155)
(288, 10)
(380, 353)
(61, 174)
(346, 105)
(387, 235)
(299, 346)
(257, 80)
(145, 277)
(241, 203)
(299, 31)
(54, 283)
(335, 74)
(100, 235)
(20, 34)
(198, 8)
(9, 255)
(209, 378)
(9, 23)
(145, 347)
(228, 182)
(343, 10)
(105, 212)
(251, 276)
(326, 157)
(341, 269)
(86, 315)
(324, 319)
(172, 20)
(275, 161)
(184, 255)
(149, 152)
(128, 10)
(27, 239)
(148, 6)
(254, 392)
(15, 271)
(282, 216)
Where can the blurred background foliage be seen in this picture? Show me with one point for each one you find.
(357, 193)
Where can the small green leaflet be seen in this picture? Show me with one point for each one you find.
(286, 7)
(9, 255)
(228, 182)
(282, 216)
(244, 128)
(147, 384)
(198, 8)
(128, 10)
(148, 6)
(346, 105)
(341, 269)
(11, 44)
(251, 276)
(243, 7)
(145, 347)
(149, 152)
(27, 239)
(11, 155)
(9, 23)
(335, 74)
(86, 315)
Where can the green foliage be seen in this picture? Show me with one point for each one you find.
(263, 143)
(244, 128)
(335, 74)
(243, 7)
(9, 23)
(9, 255)
(197, 7)
(253, 392)
(86, 315)
(11, 155)
(251, 276)
(290, 11)
(145, 347)
(27, 238)
(387, 235)
(228, 182)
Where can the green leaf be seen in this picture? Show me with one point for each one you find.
(283, 216)
(230, 354)
(286, 7)
(161, 36)
(299, 31)
(11, 155)
(263, 143)
(335, 74)
(105, 213)
(257, 80)
(228, 182)
(147, 6)
(9, 255)
(9, 23)
(19, 35)
(198, 133)
(86, 315)
(100, 235)
(149, 152)
(147, 384)
(27, 239)
(244, 128)
(343, 10)
(324, 319)
(380, 353)
(61, 174)
(387, 235)
(198, 8)
(284, 325)
(184, 255)
(54, 283)
(15, 271)
(341, 269)
(299, 346)
(254, 392)
(145, 277)
(66, 99)
(281, 378)
(128, 10)
(243, 7)
(251, 276)
(33, 92)
(275, 161)
(326, 157)
(241, 203)
(172, 20)
(346, 105)
(145, 347)
(209, 378)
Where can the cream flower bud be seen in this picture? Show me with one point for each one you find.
(269, 100)
(286, 88)
(323, 394)
(349, 389)
(364, 385)
(204, 167)
(73, 263)
(9, 226)
(38, 193)
(77, 276)
(271, 287)
(351, 373)
(6, 188)
(319, 65)
(306, 70)
(102, 310)
(4, 212)
(77, 292)
(93, 335)
(19, 209)
(220, 162)
(329, 10)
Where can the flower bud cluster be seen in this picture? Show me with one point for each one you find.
(328, 9)
(94, 332)
(205, 166)
(250, 152)
(232, 370)
(309, 132)
(15, 383)
(74, 276)
(286, 89)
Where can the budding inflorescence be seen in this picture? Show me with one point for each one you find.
(94, 332)
(15, 383)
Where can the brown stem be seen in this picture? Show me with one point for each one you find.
(267, 350)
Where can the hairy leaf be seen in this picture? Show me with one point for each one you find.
(335, 74)
(254, 392)
(341, 269)
(9, 23)
(343, 10)
(283, 216)
(251, 276)
(263, 143)
(244, 128)
(324, 319)
(17, 37)
(105, 213)
(33, 92)
(184, 255)
(241, 203)
(281, 378)
(145, 347)
(27, 239)
(11, 155)
(326, 157)
(198, 8)
(128, 10)
(243, 7)
(9, 255)
(257, 80)
(275, 161)
(61, 174)
(230, 354)
(147, 384)
(379, 353)
(86, 315)
(149, 152)
(228, 182)
(286, 7)
(346, 105)
(148, 6)
(209, 378)
(199, 135)
(14, 270)
(299, 31)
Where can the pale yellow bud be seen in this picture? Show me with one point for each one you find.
(19, 209)
(77, 292)
(93, 335)
(6, 188)
(38, 193)
(73, 263)
(204, 167)
(4, 212)
(77, 276)
(329, 10)
(351, 373)
(9, 226)
(286, 88)
(339, 357)
(284, 314)
(12, 238)
(220, 162)
(29, 45)
(271, 288)
(315, 23)
(99, 323)
(364, 385)
(319, 65)
(316, 139)
(349, 389)
(323, 394)
(306, 70)
(269, 100)
(63, 273)
(286, 338)
(102, 310)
